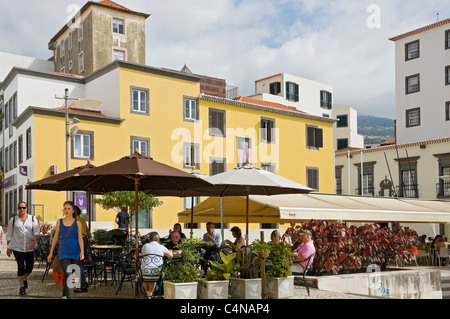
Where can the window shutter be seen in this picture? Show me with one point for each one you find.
(287, 90)
(296, 93)
(330, 102)
(310, 137)
(319, 137)
(272, 88)
(321, 99)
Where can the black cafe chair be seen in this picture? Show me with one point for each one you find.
(305, 269)
(151, 274)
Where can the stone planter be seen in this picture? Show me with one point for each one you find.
(280, 288)
(245, 288)
(174, 290)
(213, 289)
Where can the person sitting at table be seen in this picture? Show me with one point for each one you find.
(211, 235)
(150, 265)
(421, 242)
(275, 237)
(239, 242)
(306, 249)
(175, 239)
(177, 227)
(440, 242)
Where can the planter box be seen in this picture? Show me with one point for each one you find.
(280, 288)
(213, 289)
(173, 290)
(245, 288)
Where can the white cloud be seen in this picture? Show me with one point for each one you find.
(244, 40)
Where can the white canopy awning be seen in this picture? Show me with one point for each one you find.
(304, 207)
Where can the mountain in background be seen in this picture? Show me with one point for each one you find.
(375, 129)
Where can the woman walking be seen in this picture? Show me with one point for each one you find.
(23, 232)
(68, 232)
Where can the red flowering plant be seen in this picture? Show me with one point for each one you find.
(341, 249)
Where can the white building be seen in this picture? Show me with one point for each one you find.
(346, 128)
(422, 79)
(309, 96)
(9, 60)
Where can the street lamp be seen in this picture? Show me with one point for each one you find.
(85, 102)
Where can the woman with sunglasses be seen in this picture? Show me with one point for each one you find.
(23, 232)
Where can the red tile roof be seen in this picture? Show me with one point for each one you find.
(112, 4)
(390, 141)
(81, 111)
(344, 150)
(419, 30)
(267, 103)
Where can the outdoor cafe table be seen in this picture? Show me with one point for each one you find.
(106, 254)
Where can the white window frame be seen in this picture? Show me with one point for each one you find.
(81, 62)
(82, 146)
(121, 52)
(143, 104)
(190, 109)
(191, 155)
(243, 150)
(116, 25)
(141, 144)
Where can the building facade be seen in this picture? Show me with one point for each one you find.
(422, 79)
(346, 127)
(99, 33)
(303, 94)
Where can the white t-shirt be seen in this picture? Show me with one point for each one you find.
(151, 264)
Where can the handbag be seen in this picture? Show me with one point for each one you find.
(57, 267)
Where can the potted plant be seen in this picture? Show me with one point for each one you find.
(279, 282)
(248, 283)
(181, 274)
(215, 285)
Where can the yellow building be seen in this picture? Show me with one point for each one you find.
(165, 116)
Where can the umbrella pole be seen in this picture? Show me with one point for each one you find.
(247, 191)
(136, 205)
(192, 215)
(89, 209)
(222, 230)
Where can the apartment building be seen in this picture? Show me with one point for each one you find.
(422, 79)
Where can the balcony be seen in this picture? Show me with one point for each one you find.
(367, 191)
(408, 191)
(443, 189)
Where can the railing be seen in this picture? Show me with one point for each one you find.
(232, 92)
(367, 191)
(443, 189)
(408, 191)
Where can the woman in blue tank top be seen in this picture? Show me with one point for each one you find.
(71, 250)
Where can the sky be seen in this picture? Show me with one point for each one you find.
(343, 43)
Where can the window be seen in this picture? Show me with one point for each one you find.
(217, 165)
(447, 75)
(412, 83)
(190, 109)
(267, 130)
(292, 92)
(312, 176)
(118, 26)
(447, 111)
(81, 62)
(244, 151)
(314, 137)
(191, 155)
(217, 122)
(275, 88)
(28, 143)
(342, 120)
(118, 55)
(411, 50)
(83, 145)
(20, 149)
(141, 144)
(140, 101)
(342, 143)
(326, 100)
(447, 39)
(413, 117)
(69, 44)
(80, 32)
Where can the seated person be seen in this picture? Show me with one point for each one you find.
(149, 265)
(421, 242)
(306, 249)
(175, 239)
(239, 242)
(275, 237)
(211, 235)
(177, 227)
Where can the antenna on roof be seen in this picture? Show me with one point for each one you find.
(437, 17)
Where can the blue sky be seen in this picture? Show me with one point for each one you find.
(241, 41)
